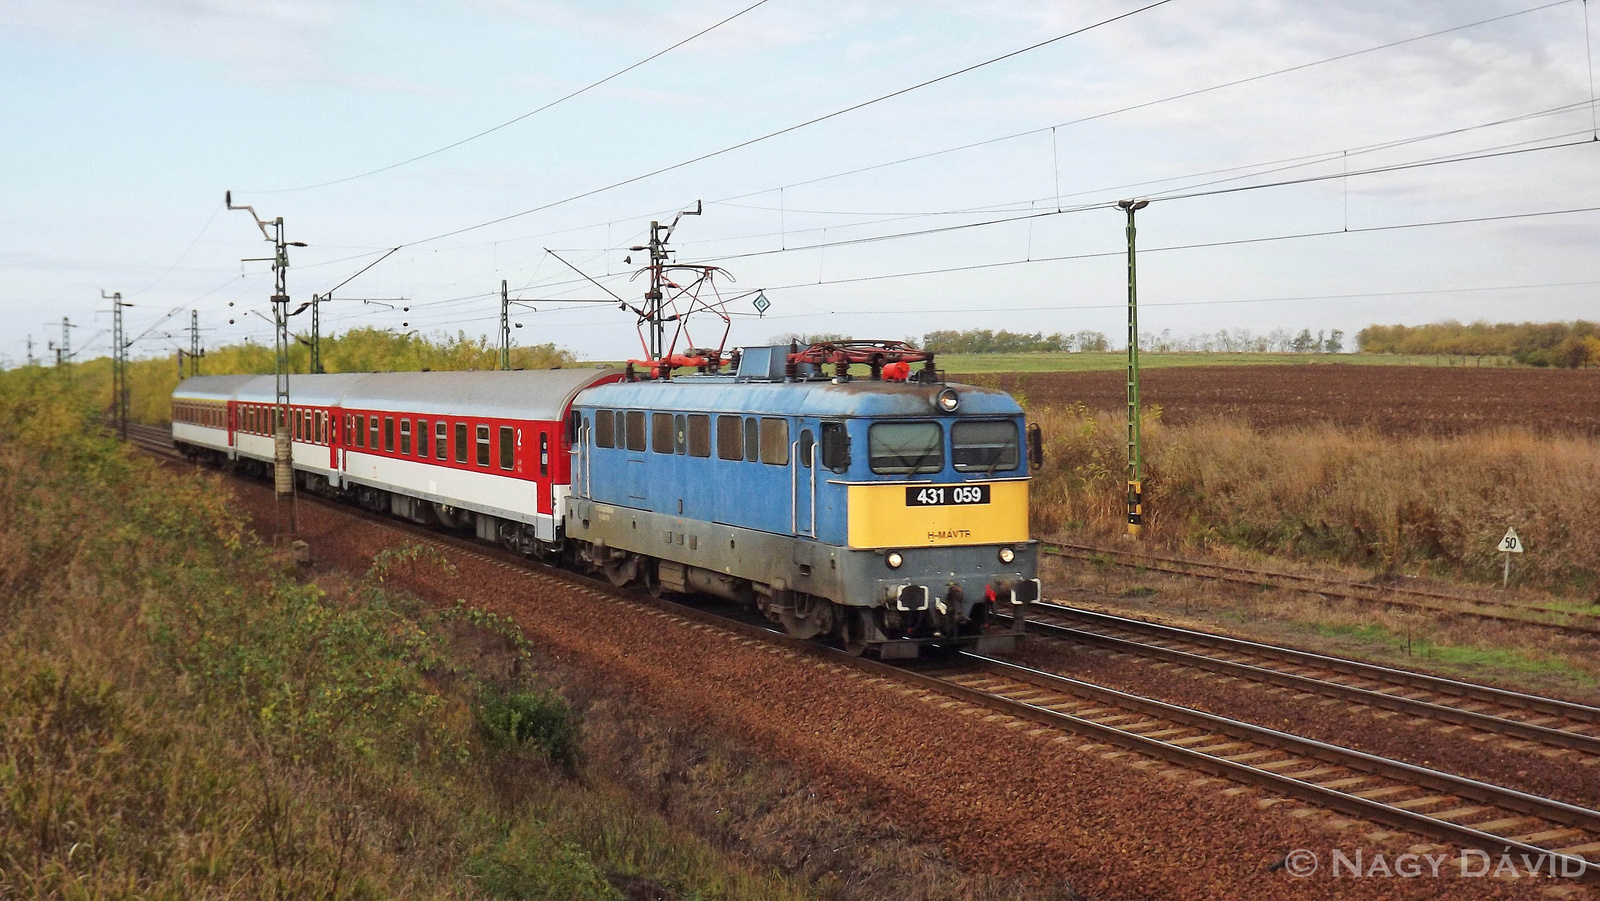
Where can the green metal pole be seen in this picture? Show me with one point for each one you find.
(1135, 443)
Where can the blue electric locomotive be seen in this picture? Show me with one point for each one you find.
(885, 513)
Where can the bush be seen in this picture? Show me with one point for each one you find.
(543, 719)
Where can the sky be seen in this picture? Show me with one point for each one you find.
(1308, 165)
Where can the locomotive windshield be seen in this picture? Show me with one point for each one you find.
(903, 448)
(984, 446)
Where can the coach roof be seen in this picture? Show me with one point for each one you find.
(520, 394)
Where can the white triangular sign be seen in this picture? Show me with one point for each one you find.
(1510, 544)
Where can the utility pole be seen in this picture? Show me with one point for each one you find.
(316, 331)
(283, 446)
(195, 353)
(1135, 442)
(119, 364)
(63, 350)
(30, 350)
(505, 326)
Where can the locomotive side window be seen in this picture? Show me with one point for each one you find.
(730, 438)
(984, 446)
(441, 439)
(903, 448)
(405, 437)
(775, 441)
(678, 437)
(483, 445)
(752, 439)
(807, 448)
(388, 434)
(508, 448)
(461, 442)
(544, 453)
(699, 435)
(422, 438)
(661, 433)
(636, 435)
(604, 429)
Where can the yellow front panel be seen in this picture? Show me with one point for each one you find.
(879, 517)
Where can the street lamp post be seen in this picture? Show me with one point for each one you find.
(1135, 444)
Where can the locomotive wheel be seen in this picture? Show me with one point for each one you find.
(806, 619)
(854, 631)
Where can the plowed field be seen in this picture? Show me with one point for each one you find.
(1393, 399)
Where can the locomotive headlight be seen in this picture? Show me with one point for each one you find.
(894, 560)
(1007, 555)
(949, 402)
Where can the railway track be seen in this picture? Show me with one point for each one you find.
(1445, 807)
(1548, 721)
(1572, 622)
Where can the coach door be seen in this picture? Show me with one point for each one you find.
(803, 484)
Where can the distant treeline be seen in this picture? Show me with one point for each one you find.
(1571, 344)
(1244, 341)
(984, 341)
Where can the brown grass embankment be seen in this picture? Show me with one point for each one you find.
(1430, 505)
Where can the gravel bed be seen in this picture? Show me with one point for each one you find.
(1000, 799)
(1514, 763)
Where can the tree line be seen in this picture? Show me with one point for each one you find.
(1570, 344)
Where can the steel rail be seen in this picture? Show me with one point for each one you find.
(1507, 799)
(1375, 672)
(1365, 808)
(1312, 585)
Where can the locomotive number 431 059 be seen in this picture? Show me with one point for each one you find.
(946, 495)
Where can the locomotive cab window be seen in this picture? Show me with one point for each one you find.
(699, 435)
(905, 448)
(984, 446)
(461, 442)
(775, 441)
(730, 438)
(604, 429)
(807, 448)
(483, 445)
(508, 448)
(835, 446)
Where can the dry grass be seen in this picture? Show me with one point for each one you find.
(1424, 505)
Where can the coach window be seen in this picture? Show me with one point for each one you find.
(752, 439)
(405, 436)
(775, 441)
(461, 442)
(544, 453)
(375, 427)
(508, 448)
(361, 430)
(422, 438)
(636, 435)
(730, 438)
(441, 439)
(349, 424)
(298, 429)
(604, 429)
(388, 434)
(483, 445)
(806, 447)
(699, 435)
(661, 433)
